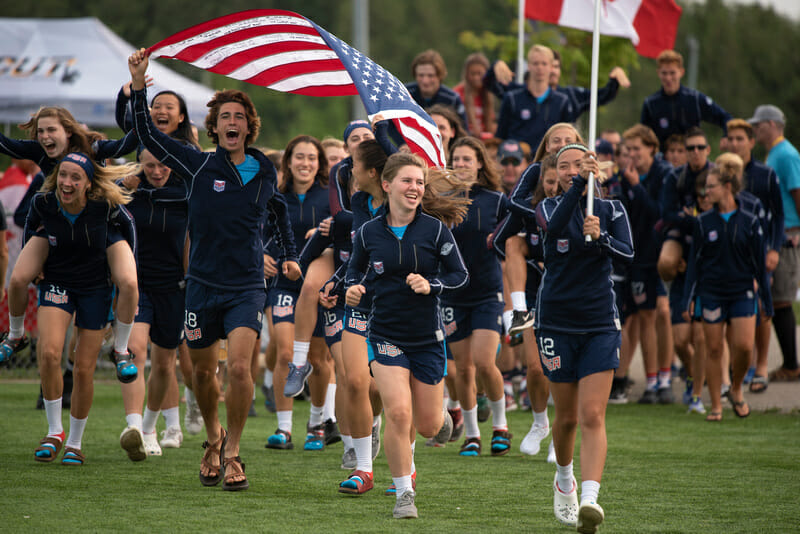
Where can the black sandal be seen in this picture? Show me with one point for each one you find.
(233, 468)
(759, 384)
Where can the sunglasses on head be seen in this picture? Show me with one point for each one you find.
(690, 148)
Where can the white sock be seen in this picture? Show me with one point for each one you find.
(564, 477)
(149, 420)
(315, 417)
(347, 441)
(76, 428)
(134, 420)
(329, 409)
(499, 413)
(285, 421)
(471, 423)
(363, 447)
(189, 395)
(540, 418)
(518, 301)
(403, 484)
(507, 316)
(122, 332)
(413, 465)
(589, 491)
(268, 378)
(300, 356)
(453, 405)
(52, 408)
(16, 326)
(254, 393)
(376, 420)
(172, 416)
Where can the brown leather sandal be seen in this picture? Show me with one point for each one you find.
(212, 450)
(48, 449)
(234, 478)
(72, 456)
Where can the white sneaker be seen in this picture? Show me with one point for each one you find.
(151, 446)
(551, 453)
(590, 516)
(132, 441)
(172, 437)
(531, 443)
(193, 419)
(565, 505)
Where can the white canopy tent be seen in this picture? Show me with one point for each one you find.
(78, 64)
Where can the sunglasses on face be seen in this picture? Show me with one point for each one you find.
(690, 148)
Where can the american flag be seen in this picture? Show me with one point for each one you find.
(287, 52)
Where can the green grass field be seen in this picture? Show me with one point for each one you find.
(666, 472)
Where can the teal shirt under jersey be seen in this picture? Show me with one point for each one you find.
(785, 159)
(399, 231)
(248, 168)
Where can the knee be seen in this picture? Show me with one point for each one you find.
(49, 356)
(667, 267)
(18, 282)
(567, 423)
(430, 426)
(239, 371)
(400, 417)
(356, 384)
(592, 418)
(203, 374)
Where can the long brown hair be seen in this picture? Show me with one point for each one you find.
(541, 150)
(104, 186)
(488, 175)
(446, 195)
(322, 172)
(485, 96)
(80, 137)
(549, 162)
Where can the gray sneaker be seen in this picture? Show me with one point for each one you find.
(443, 436)
(376, 439)
(349, 459)
(296, 379)
(405, 508)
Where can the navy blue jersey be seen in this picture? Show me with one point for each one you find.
(677, 193)
(485, 274)
(428, 248)
(576, 292)
(21, 213)
(161, 216)
(76, 258)
(304, 216)
(226, 216)
(761, 181)
(675, 114)
(726, 258)
(523, 191)
(643, 204)
(523, 118)
(444, 95)
(32, 150)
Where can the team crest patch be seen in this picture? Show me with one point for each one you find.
(52, 240)
(344, 255)
(525, 114)
(447, 248)
(219, 186)
(712, 315)
(378, 266)
(562, 245)
(712, 235)
(534, 239)
(663, 122)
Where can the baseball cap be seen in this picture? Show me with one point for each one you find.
(509, 149)
(767, 112)
(602, 146)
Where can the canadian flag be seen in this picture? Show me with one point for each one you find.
(651, 25)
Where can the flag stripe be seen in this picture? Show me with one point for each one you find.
(286, 52)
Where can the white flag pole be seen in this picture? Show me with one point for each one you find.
(593, 104)
(520, 41)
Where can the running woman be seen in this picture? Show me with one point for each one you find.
(473, 314)
(415, 259)
(232, 191)
(578, 329)
(71, 228)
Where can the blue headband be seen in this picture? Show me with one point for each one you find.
(83, 161)
(353, 126)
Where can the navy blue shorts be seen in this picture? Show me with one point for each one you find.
(622, 296)
(427, 363)
(282, 303)
(676, 298)
(568, 357)
(334, 324)
(355, 322)
(90, 307)
(461, 321)
(164, 312)
(212, 313)
(645, 288)
(713, 311)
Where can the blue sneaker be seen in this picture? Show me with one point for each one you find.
(751, 372)
(696, 406)
(687, 393)
(281, 439)
(9, 347)
(269, 398)
(315, 438)
(296, 379)
(126, 369)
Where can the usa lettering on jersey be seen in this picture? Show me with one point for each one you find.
(56, 295)
(387, 349)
